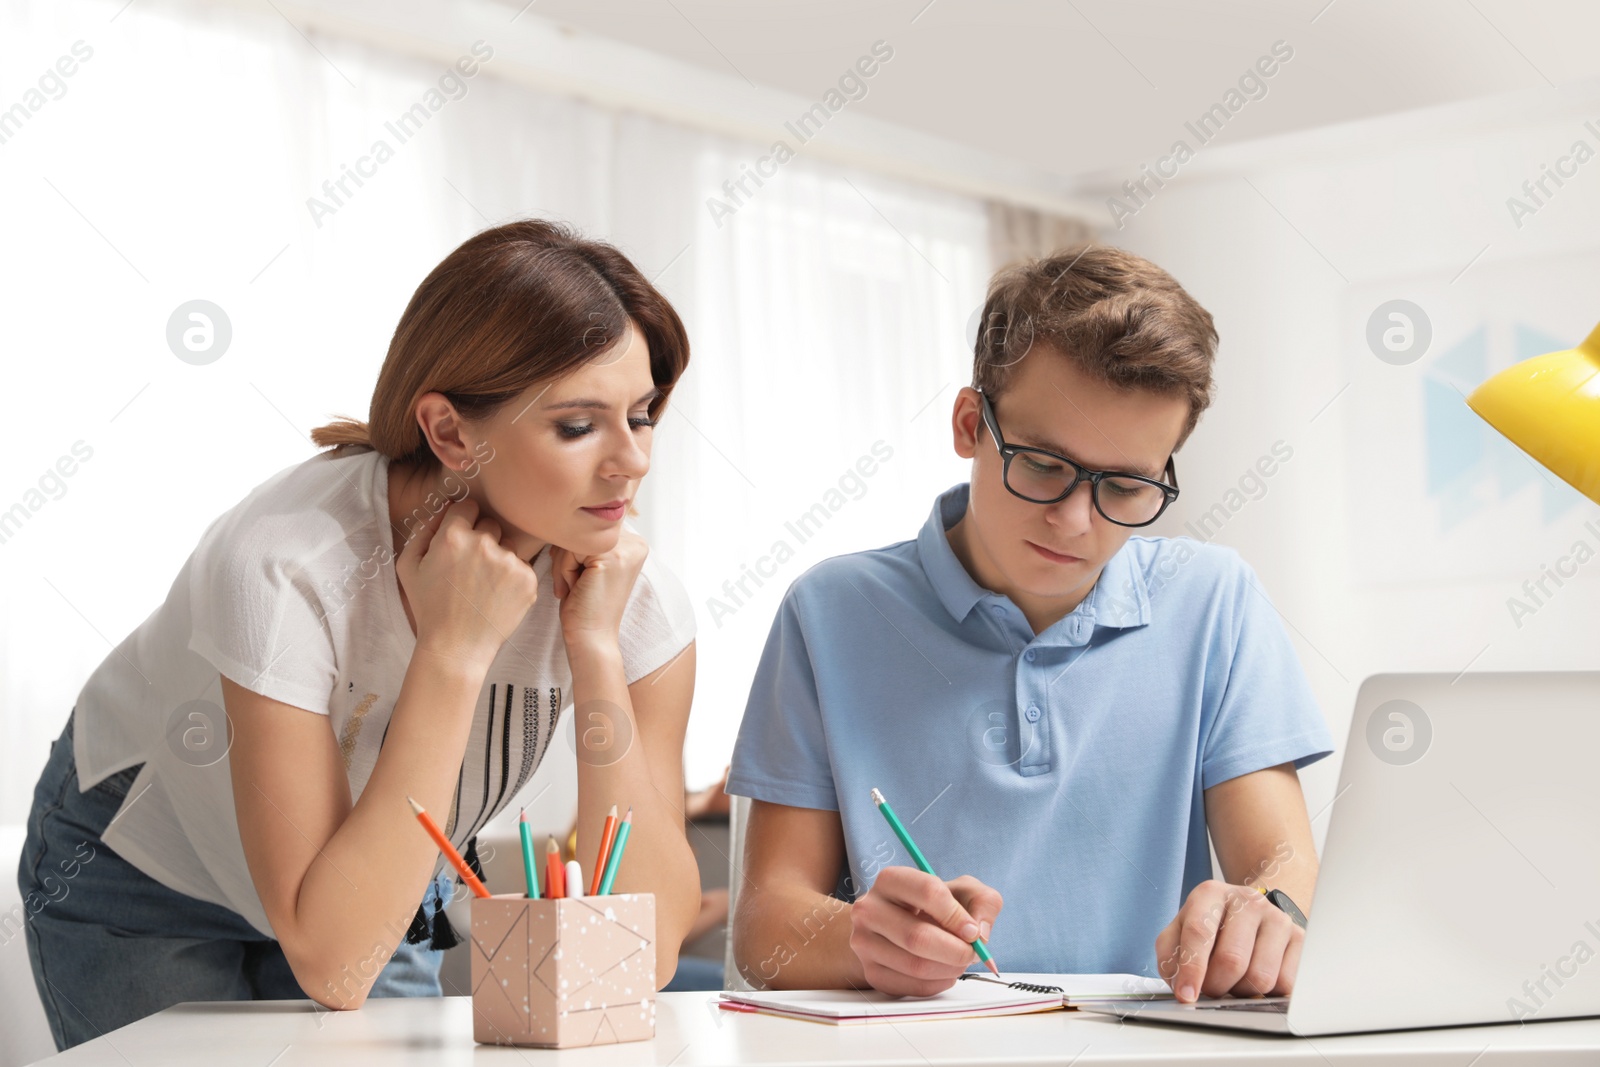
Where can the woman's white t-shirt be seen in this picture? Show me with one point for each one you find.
(293, 594)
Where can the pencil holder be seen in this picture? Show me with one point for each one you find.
(565, 972)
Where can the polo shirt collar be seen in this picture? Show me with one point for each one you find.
(956, 588)
(1119, 598)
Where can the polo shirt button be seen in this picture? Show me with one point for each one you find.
(1030, 655)
(998, 609)
(1033, 713)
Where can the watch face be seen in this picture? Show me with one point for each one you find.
(1287, 906)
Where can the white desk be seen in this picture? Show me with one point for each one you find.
(691, 1030)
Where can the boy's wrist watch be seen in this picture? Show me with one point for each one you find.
(1281, 901)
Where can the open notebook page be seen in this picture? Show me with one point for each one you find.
(968, 998)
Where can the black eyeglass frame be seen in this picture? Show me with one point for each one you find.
(1008, 452)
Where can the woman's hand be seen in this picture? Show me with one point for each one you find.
(594, 590)
(467, 590)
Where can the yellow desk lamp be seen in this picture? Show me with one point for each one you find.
(1549, 406)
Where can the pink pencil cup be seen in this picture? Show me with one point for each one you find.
(563, 973)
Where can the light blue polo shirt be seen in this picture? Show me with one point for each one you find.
(1066, 769)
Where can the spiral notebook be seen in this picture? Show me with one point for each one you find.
(976, 995)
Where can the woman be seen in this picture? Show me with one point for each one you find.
(407, 614)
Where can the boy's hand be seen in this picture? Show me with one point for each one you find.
(913, 933)
(1229, 939)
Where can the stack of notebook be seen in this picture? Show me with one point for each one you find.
(977, 995)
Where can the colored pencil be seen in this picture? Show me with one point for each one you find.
(922, 863)
(554, 875)
(614, 860)
(607, 836)
(529, 871)
(449, 850)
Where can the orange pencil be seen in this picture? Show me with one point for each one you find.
(555, 872)
(449, 850)
(606, 837)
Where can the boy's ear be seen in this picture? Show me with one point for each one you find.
(964, 422)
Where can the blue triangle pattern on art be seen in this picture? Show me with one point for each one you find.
(1466, 363)
(1454, 435)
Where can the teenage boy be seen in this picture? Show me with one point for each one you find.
(1058, 709)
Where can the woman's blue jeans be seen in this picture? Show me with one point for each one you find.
(110, 945)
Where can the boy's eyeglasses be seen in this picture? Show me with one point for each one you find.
(1043, 478)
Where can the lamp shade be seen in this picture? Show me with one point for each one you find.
(1549, 406)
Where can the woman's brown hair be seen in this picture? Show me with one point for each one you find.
(513, 306)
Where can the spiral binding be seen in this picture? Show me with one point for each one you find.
(1027, 987)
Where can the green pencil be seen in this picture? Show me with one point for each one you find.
(528, 869)
(614, 860)
(922, 863)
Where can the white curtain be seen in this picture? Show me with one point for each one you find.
(830, 319)
(828, 314)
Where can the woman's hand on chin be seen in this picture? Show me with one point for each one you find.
(594, 590)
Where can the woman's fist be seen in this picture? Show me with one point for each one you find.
(467, 590)
(594, 590)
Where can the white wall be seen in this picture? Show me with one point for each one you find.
(1261, 236)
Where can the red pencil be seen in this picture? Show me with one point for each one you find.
(449, 850)
(555, 872)
(606, 837)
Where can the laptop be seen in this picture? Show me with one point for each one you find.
(1460, 878)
